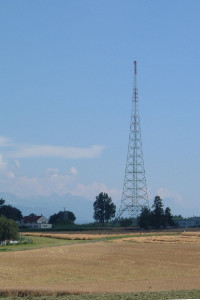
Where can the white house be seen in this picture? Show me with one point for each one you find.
(36, 222)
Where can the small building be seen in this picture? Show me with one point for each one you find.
(195, 222)
(36, 222)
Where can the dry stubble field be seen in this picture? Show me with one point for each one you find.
(129, 264)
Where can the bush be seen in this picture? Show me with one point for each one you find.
(8, 229)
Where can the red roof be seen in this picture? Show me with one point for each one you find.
(31, 219)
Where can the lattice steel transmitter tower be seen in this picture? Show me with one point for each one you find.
(134, 194)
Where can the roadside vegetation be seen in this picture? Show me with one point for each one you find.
(188, 294)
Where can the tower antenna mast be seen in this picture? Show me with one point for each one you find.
(134, 195)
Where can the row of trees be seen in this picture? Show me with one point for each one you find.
(10, 212)
(9, 228)
(105, 209)
(157, 217)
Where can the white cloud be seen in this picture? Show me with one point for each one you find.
(90, 191)
(25, 151)
(17, 163)
(10, 175)
(50, 182)
(74, 171)
(166, 193)
(2, 163)
(56, 151)
(4, 169)
(52, 171)
(4, 141)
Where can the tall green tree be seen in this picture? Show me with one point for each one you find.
(8, 229)
(2, 201)
(176, 219)
(168, 217)
(104, 208)
(9, 211)
(158, 215)
(145, 217)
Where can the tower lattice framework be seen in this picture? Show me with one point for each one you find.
(134, 194)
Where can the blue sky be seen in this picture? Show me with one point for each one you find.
(66, 87)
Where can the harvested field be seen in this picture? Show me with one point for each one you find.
(92, 236)
(191, 233)
(113, 266)
(176, 239)
(71, 236)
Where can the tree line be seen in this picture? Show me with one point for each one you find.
(10, 218)
(157, 217)
(104, 212)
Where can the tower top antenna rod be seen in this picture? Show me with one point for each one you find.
(135, 67)
(135, 91)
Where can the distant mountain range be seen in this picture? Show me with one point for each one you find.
(81, 207)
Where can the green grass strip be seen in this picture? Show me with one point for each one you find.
(39, 242)
(185, 294)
